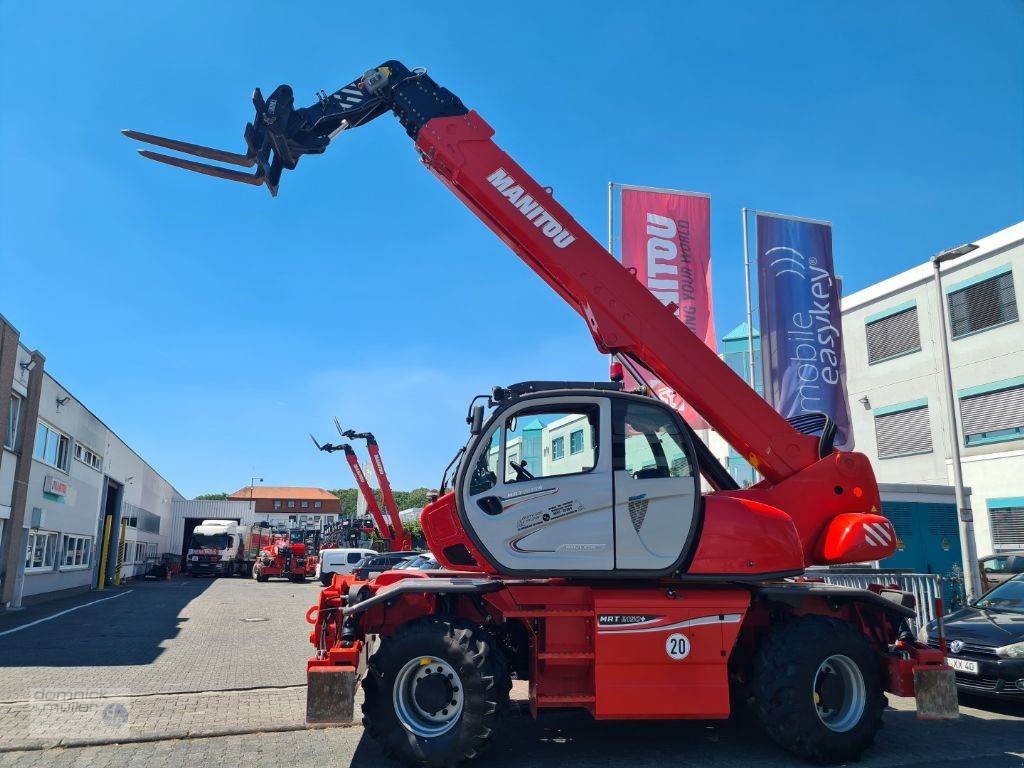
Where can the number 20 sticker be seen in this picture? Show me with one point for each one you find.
(677, 647)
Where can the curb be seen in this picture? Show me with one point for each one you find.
(170, 736)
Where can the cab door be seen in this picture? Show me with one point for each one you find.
(537, 494)
(656, 486)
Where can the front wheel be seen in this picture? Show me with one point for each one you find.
(818, 689)
(435, 691)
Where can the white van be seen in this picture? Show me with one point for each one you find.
(334, 561)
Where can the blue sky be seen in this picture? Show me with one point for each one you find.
(213, 327)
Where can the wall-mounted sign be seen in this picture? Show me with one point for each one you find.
(55, 486)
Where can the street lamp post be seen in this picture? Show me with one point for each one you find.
(252, 490)
(968, 546)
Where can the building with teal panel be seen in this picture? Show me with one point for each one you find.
(735, 351)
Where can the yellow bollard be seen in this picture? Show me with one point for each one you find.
(121, 552)
(104, 552)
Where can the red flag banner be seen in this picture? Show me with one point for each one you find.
(666, 241)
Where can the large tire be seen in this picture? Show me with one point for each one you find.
(792, 680)
(481, 669)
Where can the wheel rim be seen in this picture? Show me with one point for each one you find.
(839, 694)
(428, 696)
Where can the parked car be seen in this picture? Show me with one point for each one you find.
(340, 560)
(995, 569)
(377, 563)
(985, 642)
(424, 562)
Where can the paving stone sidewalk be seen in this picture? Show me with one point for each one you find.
(159, 716)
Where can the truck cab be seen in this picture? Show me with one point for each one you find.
(214, 548)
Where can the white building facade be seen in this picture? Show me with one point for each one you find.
(69, 484)
(896, 390)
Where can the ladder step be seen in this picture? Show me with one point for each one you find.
(565, 655)
(553, 701)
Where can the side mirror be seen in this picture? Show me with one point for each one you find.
(476, 423)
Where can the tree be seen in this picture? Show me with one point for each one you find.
(211, 497)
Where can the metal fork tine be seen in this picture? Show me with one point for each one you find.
(256, 179)
(192, 149)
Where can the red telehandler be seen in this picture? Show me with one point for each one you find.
(390, 530)
(401, 541)
(601, 573)
(282, 554)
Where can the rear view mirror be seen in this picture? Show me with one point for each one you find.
(477, 420)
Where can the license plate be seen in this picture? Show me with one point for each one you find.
(963, 665)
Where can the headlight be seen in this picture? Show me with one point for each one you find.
(1012, 651)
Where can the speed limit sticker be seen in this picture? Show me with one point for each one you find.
(677, 646)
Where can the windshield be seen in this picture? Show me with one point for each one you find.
(209, 541)
(1008, 596)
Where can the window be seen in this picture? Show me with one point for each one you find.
(355, 557)
(651, 444)
(13, 419)
(557, 427)
(576, 441)
(40, 550)
(982, 304)
(291, 505)
(317, 504)
(305, 505)
(88, 456)
(993, 413)
(77, 550)
(558, 448)
(903, 430)
(893, 334)
(277, 505)
(1006, 520)
(328, 518)
(51, 447)
(994, 564)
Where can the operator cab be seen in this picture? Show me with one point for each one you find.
(580, 479)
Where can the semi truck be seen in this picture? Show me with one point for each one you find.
(217, 548)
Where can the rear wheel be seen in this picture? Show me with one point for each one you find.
(435, 691)
(818, 690)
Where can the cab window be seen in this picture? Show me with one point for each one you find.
(651, 444)
(485, 473)
(550, 441)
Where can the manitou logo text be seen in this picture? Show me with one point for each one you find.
(530, 208)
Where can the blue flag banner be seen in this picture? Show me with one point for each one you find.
(801, 325)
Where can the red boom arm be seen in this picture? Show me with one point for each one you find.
(622, 315)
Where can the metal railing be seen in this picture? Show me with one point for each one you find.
(925, 587)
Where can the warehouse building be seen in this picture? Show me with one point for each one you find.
(281, 506)
(68, 486)
(897, 396)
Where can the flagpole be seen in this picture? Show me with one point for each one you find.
(611, 186)
(750, 311)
